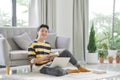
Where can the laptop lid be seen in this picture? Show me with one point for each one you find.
(60, 61)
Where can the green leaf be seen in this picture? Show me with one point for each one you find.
(92, 42)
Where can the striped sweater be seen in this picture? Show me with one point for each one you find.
(38, 50)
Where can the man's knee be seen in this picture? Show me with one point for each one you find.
(65, 50)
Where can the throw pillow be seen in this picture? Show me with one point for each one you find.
(23, 40)
(51, 38)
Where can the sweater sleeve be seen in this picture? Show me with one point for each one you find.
(31, 52)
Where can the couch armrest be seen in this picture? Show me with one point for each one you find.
(4, 52)
(62, 42)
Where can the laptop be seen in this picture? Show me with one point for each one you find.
(60, 61)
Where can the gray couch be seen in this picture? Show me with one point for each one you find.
(12, 54)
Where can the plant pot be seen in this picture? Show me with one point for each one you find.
(92, 58)
(110, 60)
(101, 59)
(117, 59)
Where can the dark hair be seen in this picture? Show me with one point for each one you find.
(43, 26)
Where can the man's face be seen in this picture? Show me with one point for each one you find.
(42, 33)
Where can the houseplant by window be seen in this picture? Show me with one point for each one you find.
(101, 56)
(102, 42)
(112, 48)
(92, 56)
(118, 57)
(110, 58)
(114, 44)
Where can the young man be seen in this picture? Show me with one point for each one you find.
(39, 53)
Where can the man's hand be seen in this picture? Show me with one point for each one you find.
(52, 57)
(45, 57)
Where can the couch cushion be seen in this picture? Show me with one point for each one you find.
(19, 54)
(23, 54)
(23, 40)
(51, 38)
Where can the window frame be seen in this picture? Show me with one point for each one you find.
(14, 18)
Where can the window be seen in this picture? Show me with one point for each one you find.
(14, 13)
(105, 14)
(22, 9)
(116, 22)
(117, 17)
(5, 13)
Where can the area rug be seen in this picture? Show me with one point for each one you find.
(74, 76)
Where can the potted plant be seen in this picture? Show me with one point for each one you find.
(118, 57)
(110, 58)
(101, 56)
(113, 46)
(92, 56)
(104, 49)
(112, 50)
(102, 42)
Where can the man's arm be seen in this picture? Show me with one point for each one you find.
(37, 60)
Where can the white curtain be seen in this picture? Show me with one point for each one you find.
(42, 12)
(80, 27)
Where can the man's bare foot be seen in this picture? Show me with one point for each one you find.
(83, 69)
(73, 71)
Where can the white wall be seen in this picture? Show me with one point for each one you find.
(64, 19)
